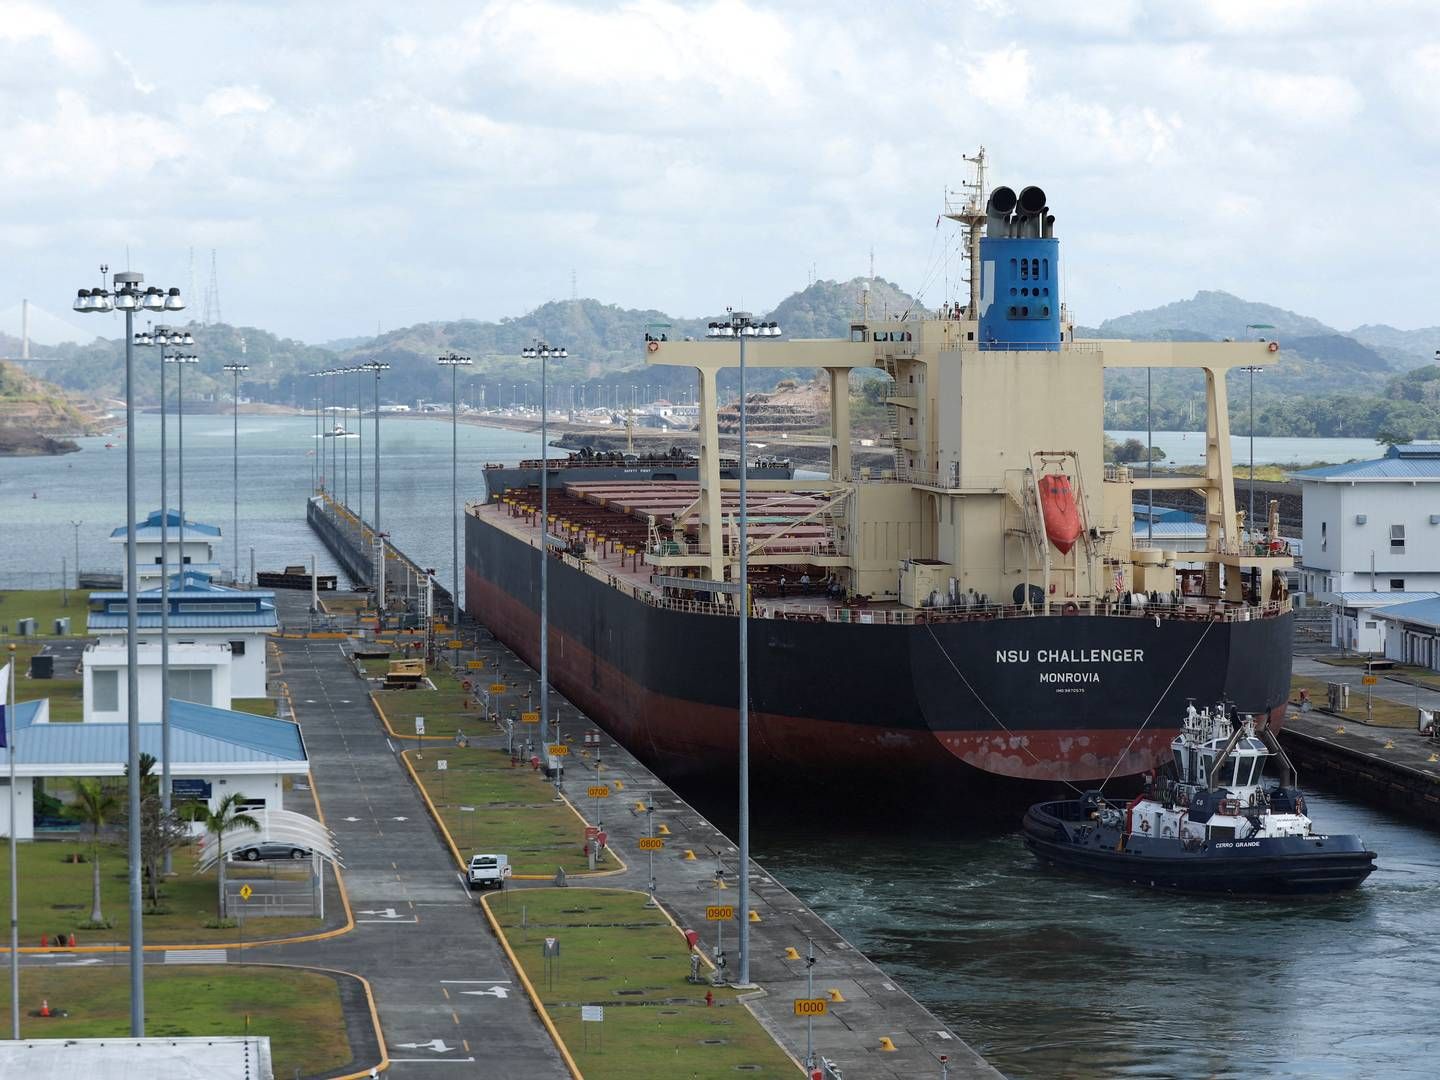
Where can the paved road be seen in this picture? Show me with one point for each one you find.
(420, 939)
(1389, 689)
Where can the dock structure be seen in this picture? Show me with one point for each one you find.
(1394, 768)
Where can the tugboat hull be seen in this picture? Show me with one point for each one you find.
(1274, 866)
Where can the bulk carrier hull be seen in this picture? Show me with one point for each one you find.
(1044, 698)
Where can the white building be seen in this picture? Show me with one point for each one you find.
(1371, 535)
(1412, 632)
(198, 673)
(212, 752)
(153, 557)
(201, 613)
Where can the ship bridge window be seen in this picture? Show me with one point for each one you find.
(1221, 832)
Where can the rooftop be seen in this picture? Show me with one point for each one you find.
(199, 734)
(1382, 599)
(201, 1057)
(149, 529)
(196, 603)
(1417, 462)
(1420, 612)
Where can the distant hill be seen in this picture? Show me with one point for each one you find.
(1211, 316)
(1405, 348)
(35, 417)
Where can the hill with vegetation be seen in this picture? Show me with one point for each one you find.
(37, 418)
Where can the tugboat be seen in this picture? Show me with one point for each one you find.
(1208, 823)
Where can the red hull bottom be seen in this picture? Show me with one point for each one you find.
(687, 738)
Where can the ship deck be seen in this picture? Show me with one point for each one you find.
(610, 520)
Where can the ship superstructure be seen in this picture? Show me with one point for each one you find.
(982, 600)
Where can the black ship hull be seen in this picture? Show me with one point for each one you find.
(1276, 866)
(1036, 698)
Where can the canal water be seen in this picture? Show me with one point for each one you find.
(1047, 975)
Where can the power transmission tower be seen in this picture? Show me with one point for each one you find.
(212, 294)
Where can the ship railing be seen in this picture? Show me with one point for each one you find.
(1208, 612)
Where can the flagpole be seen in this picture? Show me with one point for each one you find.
(14, 871)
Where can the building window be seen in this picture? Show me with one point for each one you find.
(105, 686)
(1397, 539)
(191, 684)
(1397, 584)
(237, 648)
(1324, 543)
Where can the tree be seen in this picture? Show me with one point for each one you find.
(94, 806)
(1390, 437)
(226, 817)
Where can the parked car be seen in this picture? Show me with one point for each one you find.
(269, 849)
(488, 871)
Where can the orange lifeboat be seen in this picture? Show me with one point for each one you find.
(1062, 516)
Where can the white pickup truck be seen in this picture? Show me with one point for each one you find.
(488, 871)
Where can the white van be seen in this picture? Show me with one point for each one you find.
(488, 871)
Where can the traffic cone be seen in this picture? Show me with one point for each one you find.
(44, 1007)
(44, 941)
(72, 939)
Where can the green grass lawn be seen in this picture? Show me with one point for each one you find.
(1385, 713)
(444, 707)
(298, 1010)
(64, 691)
(45, 607)
(660, 1025)
(260, 706)
(55, 898)
(514, 810)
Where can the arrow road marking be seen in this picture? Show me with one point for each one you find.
(494, 991)
(400, 819)
(437, 1045)
(384, 913)
(350, 819)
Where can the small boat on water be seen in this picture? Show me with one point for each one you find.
(1209, 822)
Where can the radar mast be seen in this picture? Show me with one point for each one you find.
(967, 206)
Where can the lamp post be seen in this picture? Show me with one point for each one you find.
(544, 352)
(163, 337)
(75, 524)
(376, 367)
(317, 461)
(181, 360)
(127, 297)
(1252, 371)
(360, 452)
(742, 325)
(454, 363)
(235, 370)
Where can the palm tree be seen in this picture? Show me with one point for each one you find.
(93, 806)
(226, 817)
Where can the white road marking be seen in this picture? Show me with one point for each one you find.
(469, 982)
(439, 1046)
(194, 956)
(494, 991)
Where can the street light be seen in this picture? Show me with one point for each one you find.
(235, 370)
(376, 367)
(128, 297)
(741, 324)
(181, 360)
(544, 352)
(75, 524)
(454, 363)
(163, 337)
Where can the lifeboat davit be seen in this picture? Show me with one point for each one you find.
(1062, 516)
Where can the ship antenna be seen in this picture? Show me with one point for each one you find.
(969, 210)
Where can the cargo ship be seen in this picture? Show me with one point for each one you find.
(980, 609)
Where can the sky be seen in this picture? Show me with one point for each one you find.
(363, 165)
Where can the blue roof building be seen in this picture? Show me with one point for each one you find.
(153, 557)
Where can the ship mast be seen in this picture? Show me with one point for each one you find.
(969, 211)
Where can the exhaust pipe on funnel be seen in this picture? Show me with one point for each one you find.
(997, 212)
(1048, 230)
(1029, 210)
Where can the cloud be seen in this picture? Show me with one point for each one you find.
(676, 153)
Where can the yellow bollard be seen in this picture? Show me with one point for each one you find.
(886, 1043)
(835, 994)
(689, 855)
(754, 916)
(662, 829)
(791, 953)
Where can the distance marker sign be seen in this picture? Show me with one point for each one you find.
(529, 717)
(651, 843)
(558, 750)
(598, 791)
(498, 688)
(811, 1006)
(720, 912)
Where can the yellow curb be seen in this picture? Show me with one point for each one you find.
(530, 989)
(391, 731)
(384, 1062)
(459, 859)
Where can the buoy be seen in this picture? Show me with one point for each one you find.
(44, 1007)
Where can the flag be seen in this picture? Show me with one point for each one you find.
(4, 697)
